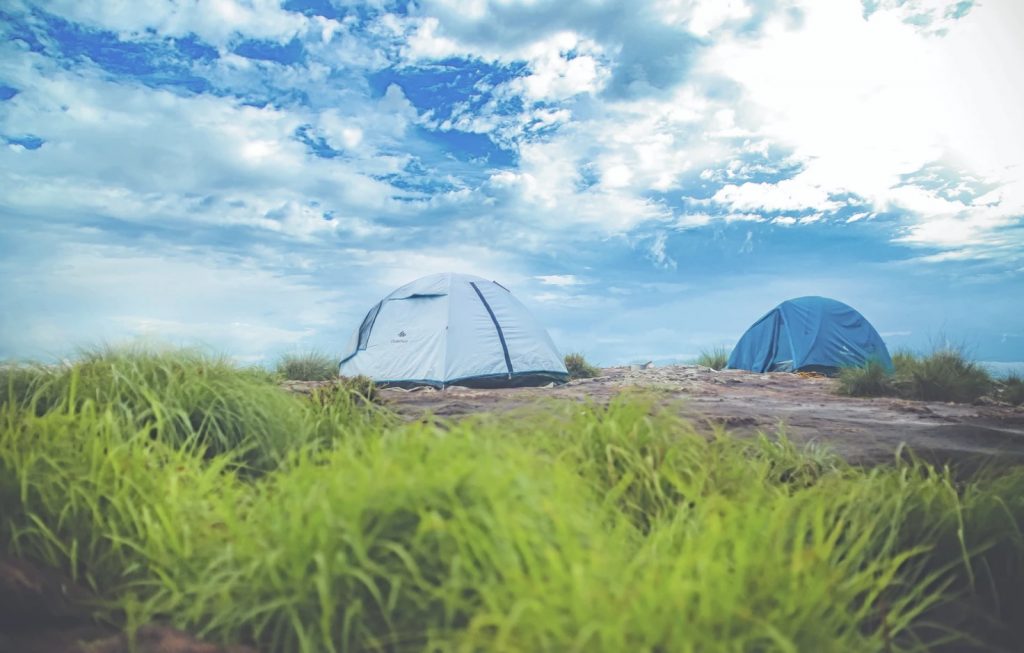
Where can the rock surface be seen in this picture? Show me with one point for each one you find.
(806, 407)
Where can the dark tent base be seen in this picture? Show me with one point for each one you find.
(515, 380)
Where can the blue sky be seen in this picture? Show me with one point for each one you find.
(649, 177)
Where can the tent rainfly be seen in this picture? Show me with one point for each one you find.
(809, 334)
(452, 329)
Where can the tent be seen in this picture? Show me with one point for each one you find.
(452, 329)
(809, 334)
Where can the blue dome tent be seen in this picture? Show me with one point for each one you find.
(452, 329)
(809, 334)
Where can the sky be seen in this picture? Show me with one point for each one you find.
(647, 176)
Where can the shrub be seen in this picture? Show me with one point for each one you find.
(870, 380)
(946, 375)
(579, 368)
(310, 366)
(1011, 390)
(716, 358)
(943, 375)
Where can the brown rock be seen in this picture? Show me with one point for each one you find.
(42, 611)
(154, 638)
(32, 596)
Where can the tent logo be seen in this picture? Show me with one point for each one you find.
(401, 337)
(401, 334)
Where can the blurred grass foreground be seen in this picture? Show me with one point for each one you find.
(178, 486)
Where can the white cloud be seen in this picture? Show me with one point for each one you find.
(615, 174)
(658, 253)
(423, 42)
(600, 169)
(693, 220)
(561, 280)
(974, 228)
(707, 16)
(148, 155)
(794, 194)
(748, 244)
(554, 75)
(878, 100)
(744, 217)
(214, 21)
(932, 17)
(544, 192)
(561, 299)
(856, 118)
(625, 118)
(390, 269)
(921, 201)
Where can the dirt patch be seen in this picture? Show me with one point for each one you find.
(42, 611)
(806, 408)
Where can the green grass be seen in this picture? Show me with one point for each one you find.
(579, 368)
(871, 380)
(903, 361)
(566, 526)
(347, 389)
(716, 358)
(308, 366)
(946, 374)
(183, 397)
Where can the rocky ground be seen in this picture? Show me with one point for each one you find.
(806, 407)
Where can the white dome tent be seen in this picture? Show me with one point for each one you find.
(452, 329)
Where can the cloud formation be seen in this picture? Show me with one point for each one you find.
(590, 154)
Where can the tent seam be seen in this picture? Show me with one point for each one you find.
(789, 337)
(497, 326)
(448, 321)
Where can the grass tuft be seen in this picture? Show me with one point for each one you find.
(361, 388)
(1011, 390)
(946, 374)
(182, 397)
(716, 358)
(19, 382)
(309, 366)
(903, 361)
(579, 368)
(871, 380)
